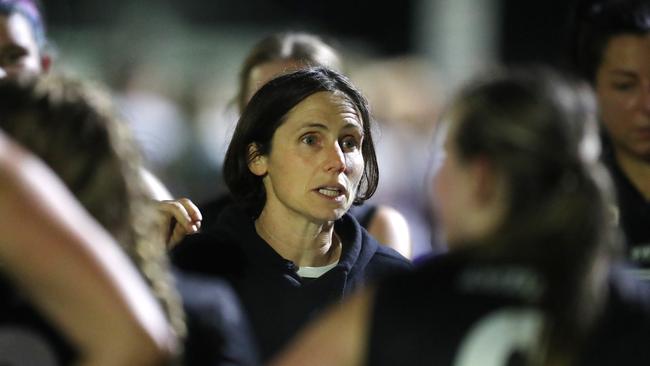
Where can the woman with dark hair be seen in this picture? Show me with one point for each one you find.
(279, 54)
(611, 49)
(301, 155)
(525, 208)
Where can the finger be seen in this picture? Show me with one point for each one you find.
(177, 235)
(192, 210)
(175, 210)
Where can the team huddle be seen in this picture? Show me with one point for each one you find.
(539, 190)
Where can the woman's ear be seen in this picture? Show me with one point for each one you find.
(256, 161)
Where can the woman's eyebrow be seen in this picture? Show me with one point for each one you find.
(315, 125)
(624, 72)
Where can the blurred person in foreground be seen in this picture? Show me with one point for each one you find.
(63, 278)
(93, 154)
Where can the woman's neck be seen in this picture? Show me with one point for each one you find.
(636, 170)
(305, 243)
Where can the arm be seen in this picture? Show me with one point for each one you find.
(390, 228)
(339, 337)
(154, 188)
(72, 269)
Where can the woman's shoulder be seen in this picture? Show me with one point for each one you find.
(363, 213)
(389, 256)
(217, 325)
(381, 260)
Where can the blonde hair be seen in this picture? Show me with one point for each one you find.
(73, 128)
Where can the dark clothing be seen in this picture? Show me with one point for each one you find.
(210, 210)
(218, 331)
(364, 214)
(634, 214)
(484, 314)
(621, 336)
(277, 300)
(26, 337)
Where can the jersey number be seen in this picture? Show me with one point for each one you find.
(497, 336)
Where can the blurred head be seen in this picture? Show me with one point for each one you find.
(73, 129)
(528, 140)
(310, 129)
(22, 39)
(282, 53)
(613, 53)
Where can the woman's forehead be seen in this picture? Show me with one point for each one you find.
(327, 104)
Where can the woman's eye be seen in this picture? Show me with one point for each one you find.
(624, 86)
(309, 139)
(349, 143)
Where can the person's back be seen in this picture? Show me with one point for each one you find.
(474, 312)
(94, 156)
(49, 242)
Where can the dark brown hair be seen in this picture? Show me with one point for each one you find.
(267, 110)
(596, 22)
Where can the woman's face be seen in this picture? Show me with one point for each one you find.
(19, 52)
(315, 163)
(451, 190)
(623, 91)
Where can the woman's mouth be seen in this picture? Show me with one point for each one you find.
(334, 193)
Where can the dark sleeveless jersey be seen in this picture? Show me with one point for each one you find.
(451, 313)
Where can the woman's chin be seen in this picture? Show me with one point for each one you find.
(330, 215)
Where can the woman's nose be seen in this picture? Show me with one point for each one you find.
(335, 159)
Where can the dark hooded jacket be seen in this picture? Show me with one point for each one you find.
(277, 300)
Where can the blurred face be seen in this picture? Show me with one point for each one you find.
(263, 73)
(315, 164)
(623, 91)
(19, 52)
(452, 192)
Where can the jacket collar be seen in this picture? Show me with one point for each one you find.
(238, 225)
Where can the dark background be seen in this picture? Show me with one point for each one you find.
(529, 30)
